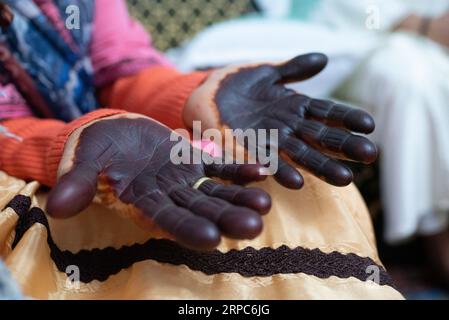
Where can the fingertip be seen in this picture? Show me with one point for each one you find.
(69, 197)
(337, 174)
(290, 178)
(318, 59)
(198, 234)
(256, 199)
(360, 121)
(360, 149)
(371, 153)
(303, 67)
(240, 223)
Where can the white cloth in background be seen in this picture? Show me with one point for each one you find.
(404, 83)
(357, 15)
(263, 39)
(402, 79)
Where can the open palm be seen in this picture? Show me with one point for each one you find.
(130, 159)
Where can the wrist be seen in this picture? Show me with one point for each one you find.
(60, 145)
(433, 32)
(412, 23)
(200, 105)
(425, 25)
(72, 140)
(198, 108)
(189, 94)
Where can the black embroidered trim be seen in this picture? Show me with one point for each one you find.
(100, 264)
(20, 204)
(26, 221)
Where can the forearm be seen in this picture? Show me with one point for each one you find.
(157, 92)
(25, 148)
(412, 23)
(433, 28)
(31, 148)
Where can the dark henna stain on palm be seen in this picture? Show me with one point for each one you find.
(312, 133)
(133, 157)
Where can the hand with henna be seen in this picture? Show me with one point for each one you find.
(313, 134)
(128, 159)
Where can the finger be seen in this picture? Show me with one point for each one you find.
(339, 142)
(73, 192)
(253, 198)
(341, 116)
(317, 163)
(189, 230)
(302, 67)
(241, 174)
(288, 176)
(233, 221)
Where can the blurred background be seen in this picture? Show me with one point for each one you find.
(388, 57)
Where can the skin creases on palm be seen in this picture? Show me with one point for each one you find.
(311, 133)
(132, 156)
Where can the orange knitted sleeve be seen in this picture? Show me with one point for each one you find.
(157, 92)
(31, 148)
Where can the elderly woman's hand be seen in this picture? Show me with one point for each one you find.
(312, 133)
(130, 160)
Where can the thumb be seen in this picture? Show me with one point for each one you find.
(302, 67)
(73, 192)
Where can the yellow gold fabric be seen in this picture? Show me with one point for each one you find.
(319, 216)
